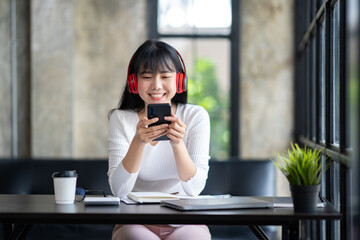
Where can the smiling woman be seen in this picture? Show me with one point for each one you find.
(138, 161)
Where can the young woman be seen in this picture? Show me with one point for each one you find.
(157, 74)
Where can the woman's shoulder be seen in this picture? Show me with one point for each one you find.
(192, 110)
(122, 115)
(188, 107)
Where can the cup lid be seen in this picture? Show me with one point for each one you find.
(68, 173)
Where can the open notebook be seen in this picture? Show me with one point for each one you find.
(157, 197)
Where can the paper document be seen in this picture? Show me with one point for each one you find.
(128, 201)
(151, 197)
(286, 202)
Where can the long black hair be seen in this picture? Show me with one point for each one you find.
(155, 56)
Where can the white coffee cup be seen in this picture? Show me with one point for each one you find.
(64, 186)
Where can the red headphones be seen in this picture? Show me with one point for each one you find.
(181, 79)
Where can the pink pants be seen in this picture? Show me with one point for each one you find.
(157, 232)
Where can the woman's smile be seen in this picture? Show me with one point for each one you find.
(157, 96)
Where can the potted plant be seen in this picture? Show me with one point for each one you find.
(303, 168)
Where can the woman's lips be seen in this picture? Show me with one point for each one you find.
(157, 96)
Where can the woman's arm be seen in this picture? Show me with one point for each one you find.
(120, 180)
(186, 167)
(191, 159)
(124, 157)
(143, 136)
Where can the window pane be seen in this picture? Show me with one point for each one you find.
(352, 82)
(189, 16)
(335, 110)
(322, 83)
(207, 68)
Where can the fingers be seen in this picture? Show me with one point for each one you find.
(174, 135)
(155, 134)
(146, 122)
(176, 130)
(146, 134)
(174, 119)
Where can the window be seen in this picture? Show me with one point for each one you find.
(207, 62)
(189, 17)
(322, 100)
(209, 47)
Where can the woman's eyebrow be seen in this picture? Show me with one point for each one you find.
(146, 71)
(161, 71)
(166, 71)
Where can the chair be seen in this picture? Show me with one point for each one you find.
(240, 178)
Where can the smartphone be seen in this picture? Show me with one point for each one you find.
(160, 111)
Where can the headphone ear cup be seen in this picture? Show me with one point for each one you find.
(185, 82)
(181, 82)
(132, 83)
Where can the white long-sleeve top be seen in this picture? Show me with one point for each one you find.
(158, 170)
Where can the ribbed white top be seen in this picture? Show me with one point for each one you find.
(158, 170)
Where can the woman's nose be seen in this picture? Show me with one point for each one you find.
(156, 82)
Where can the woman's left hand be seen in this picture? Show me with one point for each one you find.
(176, 129)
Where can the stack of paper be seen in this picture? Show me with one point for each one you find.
(151, 197)
(157, 197)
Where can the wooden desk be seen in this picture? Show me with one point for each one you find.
(32, 209)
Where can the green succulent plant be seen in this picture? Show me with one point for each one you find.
(302, 166)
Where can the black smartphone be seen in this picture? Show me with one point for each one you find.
(159, 110)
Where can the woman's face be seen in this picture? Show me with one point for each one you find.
(159, 87)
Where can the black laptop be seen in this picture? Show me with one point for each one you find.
(217, 203)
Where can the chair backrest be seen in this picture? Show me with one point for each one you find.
(15, 177)
(33, 176)
(241, 178)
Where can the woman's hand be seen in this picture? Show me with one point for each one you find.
(176, 129)
(146, 134)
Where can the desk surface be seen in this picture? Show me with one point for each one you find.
(43, 209)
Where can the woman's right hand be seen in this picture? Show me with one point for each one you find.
(146, 134)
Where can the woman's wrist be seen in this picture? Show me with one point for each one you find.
(178, 145)
(137, 140)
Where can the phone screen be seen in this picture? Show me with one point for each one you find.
(159, 110)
